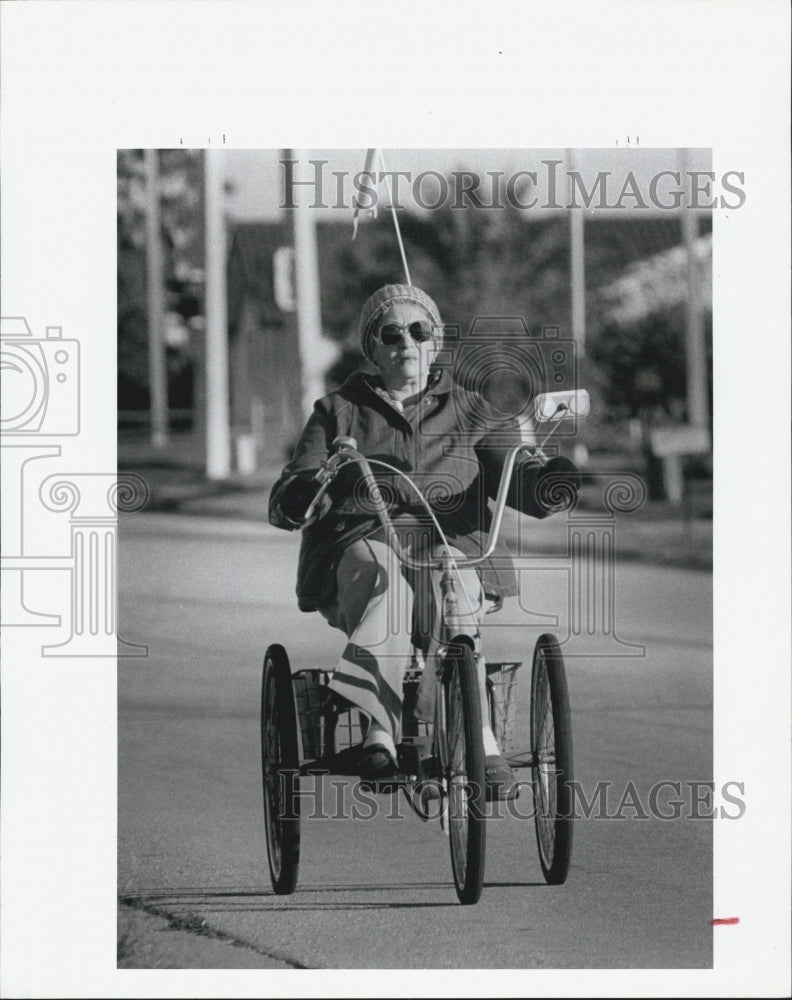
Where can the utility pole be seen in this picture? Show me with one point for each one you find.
(158, 377)
(672, 445)
(309, 311)
(218, 429)
(577, 257)
(695, 343)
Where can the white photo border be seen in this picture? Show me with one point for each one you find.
(82, 79)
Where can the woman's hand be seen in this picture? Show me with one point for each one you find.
(557, 485)
(541, 490)
(289, 503)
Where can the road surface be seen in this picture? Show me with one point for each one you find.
(207, 596)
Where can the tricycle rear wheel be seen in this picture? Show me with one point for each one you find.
(280, 769)
(464, 771)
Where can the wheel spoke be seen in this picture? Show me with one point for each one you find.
(545, 774)
(463, 771)
(551, 755)
(457, 778)
(279, 758)
(272, 765)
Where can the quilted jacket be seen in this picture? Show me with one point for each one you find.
(451, 443)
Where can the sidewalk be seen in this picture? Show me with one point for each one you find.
(658, 533)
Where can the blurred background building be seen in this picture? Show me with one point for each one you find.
(629, 285)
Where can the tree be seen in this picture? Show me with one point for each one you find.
(180, 185)
(643, 364)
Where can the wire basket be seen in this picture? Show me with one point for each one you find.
(502, 696)
(329, 726)
(326, 726)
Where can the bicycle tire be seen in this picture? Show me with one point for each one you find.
(551, 756)
(279, 770)
(464, 772)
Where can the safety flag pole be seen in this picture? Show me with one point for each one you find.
(368, 168)
(395, 220)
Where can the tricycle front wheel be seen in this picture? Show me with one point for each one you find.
(551, 755)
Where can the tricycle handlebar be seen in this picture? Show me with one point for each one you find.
(344, 452)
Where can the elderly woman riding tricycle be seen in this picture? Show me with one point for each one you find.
(391, 482)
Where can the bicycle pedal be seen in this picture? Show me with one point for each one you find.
(430, 791)
(408, 757)
(501, 782)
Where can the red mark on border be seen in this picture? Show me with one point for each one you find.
(718, 921)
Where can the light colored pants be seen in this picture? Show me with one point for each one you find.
(374, 605)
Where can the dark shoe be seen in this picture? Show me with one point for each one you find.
(501, 782)
(429, 790)
(376, 763)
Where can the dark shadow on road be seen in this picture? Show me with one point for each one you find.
(180, 901)
(515, 885)
(167, 893)
(184, 897)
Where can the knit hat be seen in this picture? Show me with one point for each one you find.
(386, 296)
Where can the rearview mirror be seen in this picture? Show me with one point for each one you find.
(558, 405)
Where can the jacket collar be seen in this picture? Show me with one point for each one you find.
(364, 383)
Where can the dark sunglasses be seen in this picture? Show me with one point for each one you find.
(391, 333)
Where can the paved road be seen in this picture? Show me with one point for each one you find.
(208, 596)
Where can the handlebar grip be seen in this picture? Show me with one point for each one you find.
(347, 443)
(328, 470)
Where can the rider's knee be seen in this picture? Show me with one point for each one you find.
(367, 571)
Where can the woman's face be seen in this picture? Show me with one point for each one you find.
(407, 360)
